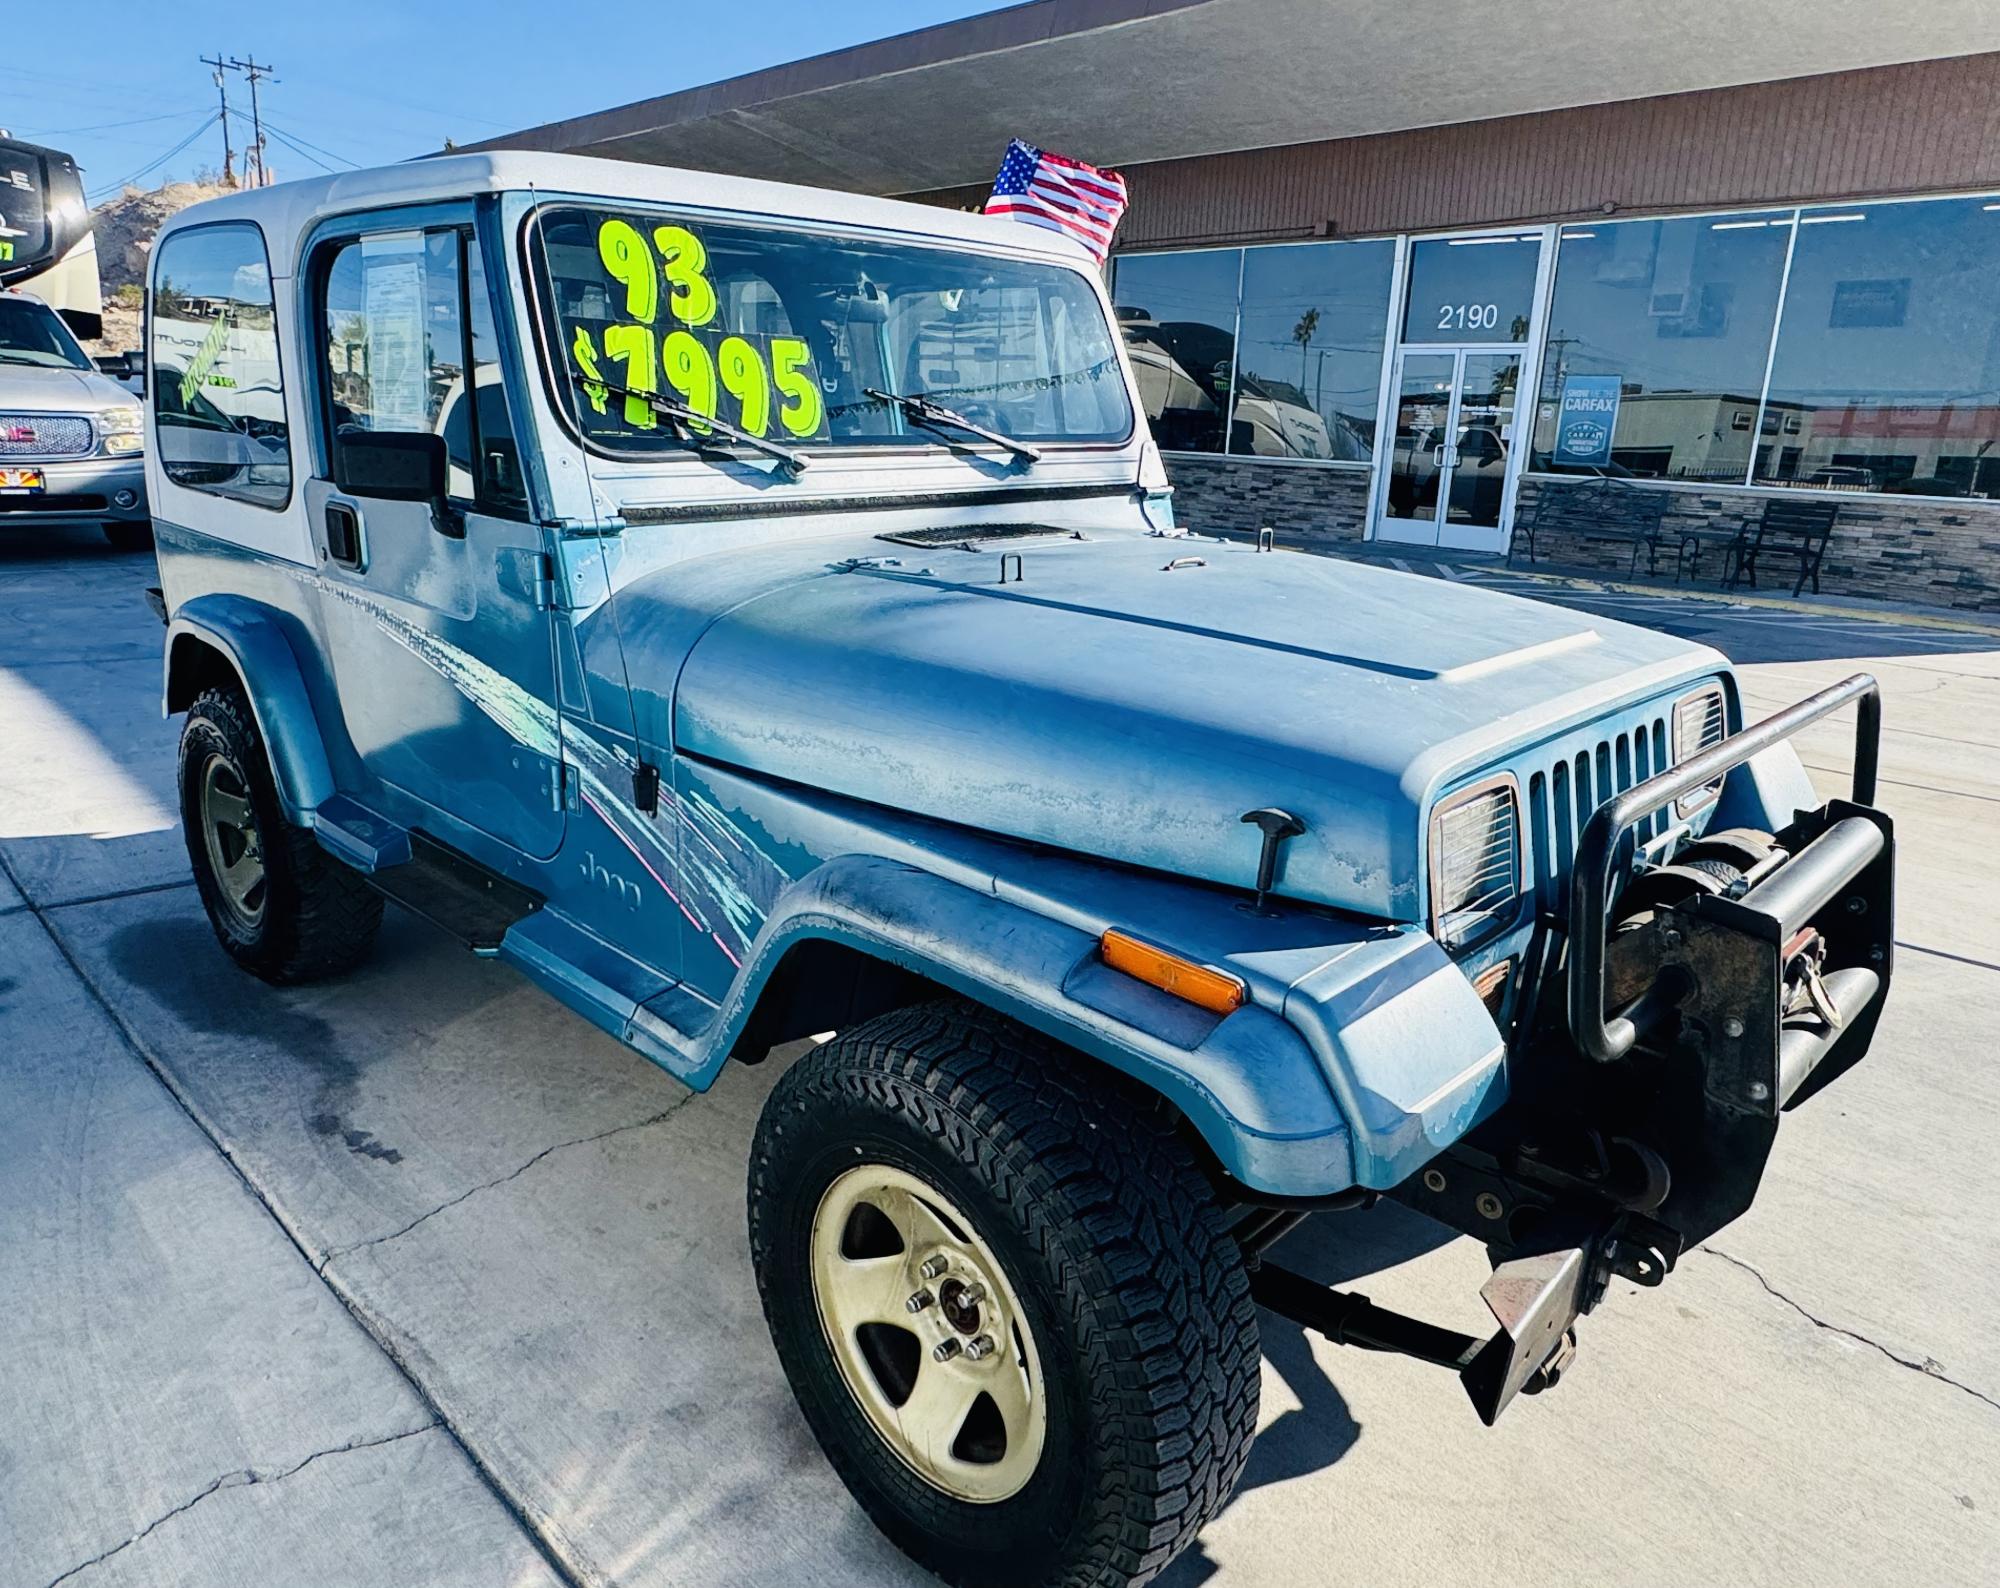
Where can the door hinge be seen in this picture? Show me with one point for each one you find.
(562, 786)
(545, 582)
(646, 788)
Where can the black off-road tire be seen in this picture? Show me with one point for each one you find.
(319, 917)
(1107, 1229)
(129, 534)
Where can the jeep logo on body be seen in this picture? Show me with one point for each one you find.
(618, 887)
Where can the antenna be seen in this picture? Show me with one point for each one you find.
(222, 90)
(254, 73)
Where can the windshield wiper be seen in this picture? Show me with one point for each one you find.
(686, 418)
(920, 410)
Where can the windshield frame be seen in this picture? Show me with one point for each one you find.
(65, 337)
(561, 393)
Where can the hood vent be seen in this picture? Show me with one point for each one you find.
(971, 535)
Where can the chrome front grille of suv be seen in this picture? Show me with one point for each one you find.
(45, 436)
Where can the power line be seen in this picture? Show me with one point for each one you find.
(302, 153)
(153, 165)
(294, 138)
(103, 126)
(93, 85)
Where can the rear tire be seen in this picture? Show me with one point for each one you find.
(1121, 1302)
(282, 907)
(129, 534)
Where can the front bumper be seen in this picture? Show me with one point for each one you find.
(80, 491)
(1634, 1132)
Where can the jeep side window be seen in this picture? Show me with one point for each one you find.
(403, 317)
(218, 388)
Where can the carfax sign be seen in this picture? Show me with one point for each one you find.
(1585, 419)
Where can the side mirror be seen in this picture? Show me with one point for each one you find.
(116, 365)
(390, 465)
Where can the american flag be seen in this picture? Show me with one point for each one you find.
(1062, 194)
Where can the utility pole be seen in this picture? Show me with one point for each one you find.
(254, 72)
(222, 90)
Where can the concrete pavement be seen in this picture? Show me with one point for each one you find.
(526, 1233)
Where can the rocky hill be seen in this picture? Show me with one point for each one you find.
(125, 227)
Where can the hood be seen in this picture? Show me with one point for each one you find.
(40, 389)
(1109, 705)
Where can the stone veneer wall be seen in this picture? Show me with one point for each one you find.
(1303, 503)
(1931, 551)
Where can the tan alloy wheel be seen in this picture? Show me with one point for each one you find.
(235, 848)
(928, 1334)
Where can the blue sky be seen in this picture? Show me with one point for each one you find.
(371, 81)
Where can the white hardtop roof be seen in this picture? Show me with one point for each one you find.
(291, 209)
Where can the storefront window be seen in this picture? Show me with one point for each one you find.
(1658, 336)
(1472, 289)
(1887, 371)
(1309, 351)
(1178, 315)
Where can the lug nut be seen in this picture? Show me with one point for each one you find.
(980, 1348)
(934, 1267)
(920, 1300)
(972, 1295)
(945, 1350)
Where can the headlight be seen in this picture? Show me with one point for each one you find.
(1475, 860)
(123, 430)
(1701, 720)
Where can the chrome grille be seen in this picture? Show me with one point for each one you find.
(44, 435)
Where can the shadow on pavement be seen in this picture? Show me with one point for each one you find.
(1335, 1249)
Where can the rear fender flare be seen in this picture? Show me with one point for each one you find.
(251, 639)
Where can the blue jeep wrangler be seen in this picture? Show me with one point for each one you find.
(753, 612)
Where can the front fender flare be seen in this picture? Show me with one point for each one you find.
(1250, 1087)
(252, 638)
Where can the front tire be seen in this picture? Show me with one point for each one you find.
(1079, 1419)
(282, 907)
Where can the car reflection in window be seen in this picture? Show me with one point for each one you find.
(216, 448)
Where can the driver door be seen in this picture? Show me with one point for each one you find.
(435, 613)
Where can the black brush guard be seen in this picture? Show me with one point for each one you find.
(1755, 996)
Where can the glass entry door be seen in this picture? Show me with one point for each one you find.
(1452, 454)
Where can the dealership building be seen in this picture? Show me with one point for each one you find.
(1398, 272)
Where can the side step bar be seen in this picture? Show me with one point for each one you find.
(455, 893)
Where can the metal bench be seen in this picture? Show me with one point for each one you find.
(1789, 526)
(1602, 508)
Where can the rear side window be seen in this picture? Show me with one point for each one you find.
(406, 322)
(218, 388)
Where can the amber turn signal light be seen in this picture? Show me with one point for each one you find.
(1202, 985)
(1491, 985)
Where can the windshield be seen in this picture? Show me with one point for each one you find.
(785, 334)
(30, 333)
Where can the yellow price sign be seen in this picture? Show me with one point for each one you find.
(774, 379)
